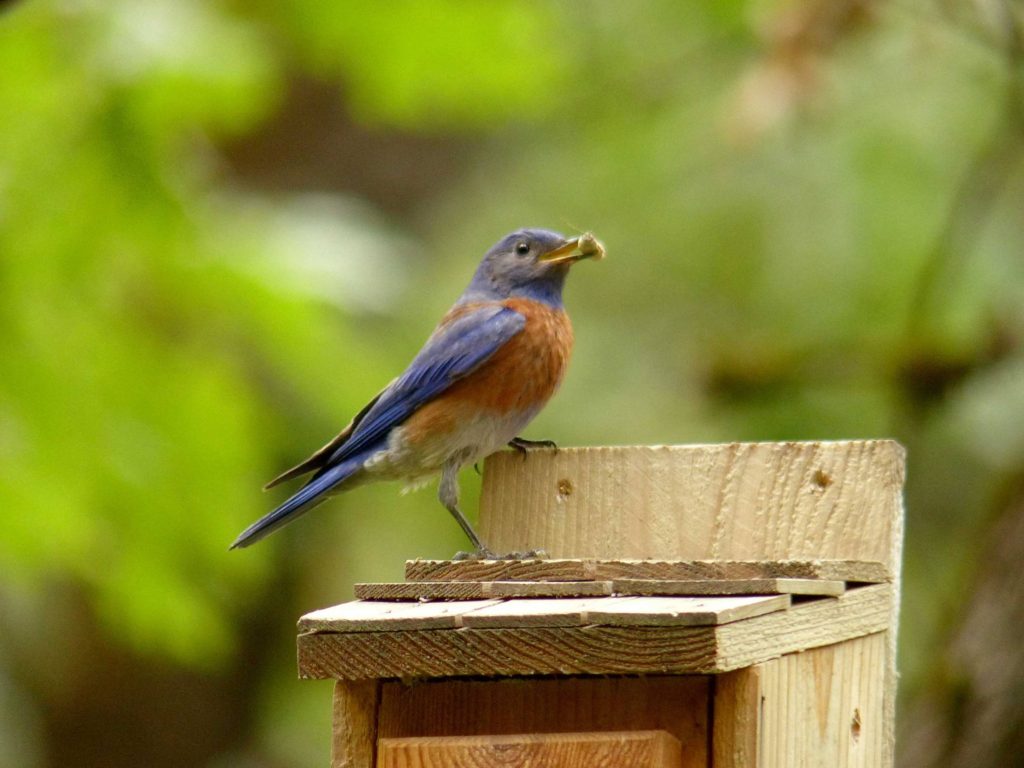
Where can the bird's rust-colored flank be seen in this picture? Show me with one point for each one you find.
(520, 377)
(525, 372)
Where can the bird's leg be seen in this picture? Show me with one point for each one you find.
(522, 445)
(448, 493)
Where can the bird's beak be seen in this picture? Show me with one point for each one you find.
(586, 246)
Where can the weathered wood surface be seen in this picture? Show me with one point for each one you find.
(638, 749)
(824, 707)
(365, 615)
(354, 726)
(377, 615)
(739, 501)
(821, 587)
(676, 704)
(475, 590)
(736, 726)
(594, 649)
(623, 612)
(478, 590)
(861, 571)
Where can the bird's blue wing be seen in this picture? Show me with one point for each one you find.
(454, 350)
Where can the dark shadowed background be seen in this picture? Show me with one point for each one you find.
(225, 225)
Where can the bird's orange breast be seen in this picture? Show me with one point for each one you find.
(519, 378)
(527, 370)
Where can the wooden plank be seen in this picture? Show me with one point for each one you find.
(413, 590)
(668, 570)
(696, 570)
(367, 616)
(595, 650)
(354, 725)
(642, 749)
(737, 501)
(470, 590)
(736, 723)
(825, 707)
(549, 588)
(682, 611)
(677, 704)
(821, 587)
(497, 570)
(556, 612)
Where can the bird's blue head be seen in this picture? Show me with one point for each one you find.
(531, 264)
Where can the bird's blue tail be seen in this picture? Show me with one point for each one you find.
(310, 495)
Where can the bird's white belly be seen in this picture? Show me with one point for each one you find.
(471, 440)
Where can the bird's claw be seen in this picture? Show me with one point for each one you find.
(523, 445)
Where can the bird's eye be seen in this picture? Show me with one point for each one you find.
(522, 248)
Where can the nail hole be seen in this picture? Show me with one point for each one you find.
(565, 487)
(822, 479)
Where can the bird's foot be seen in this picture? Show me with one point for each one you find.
(486, 554)
(523, 445)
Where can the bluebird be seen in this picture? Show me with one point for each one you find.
(492, 363)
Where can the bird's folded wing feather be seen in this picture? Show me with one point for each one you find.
(321, 457)
(457, 348)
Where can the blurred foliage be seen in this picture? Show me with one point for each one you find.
(812, 213)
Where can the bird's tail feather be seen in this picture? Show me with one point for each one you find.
(310, 495)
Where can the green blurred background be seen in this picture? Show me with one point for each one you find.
(224, 225)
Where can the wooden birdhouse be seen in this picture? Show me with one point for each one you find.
(730, 606)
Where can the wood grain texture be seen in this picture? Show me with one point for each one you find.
(497, 570)
(729, 587)
(354, 726)
(594, 649)
(638, 749)
(367, 615)
(676, 704)
(823, 707)
(736, 726)
(623, 611)
(839, 692)
(475, 590)
(862, 571)
(739, 501)
(683, 611)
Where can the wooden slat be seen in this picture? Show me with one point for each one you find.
(839, 691)
(683, 611)
(549, 588)
(497, 570)
(694, 570)
(738, 501)
(594, 649)
(478, 590)
(677, 704)
(729, 587)
(354, 726)
(367, 616)
(470, 590)
(419, 590)
(736, 726)
(559, 612)
(642, 749)
(665, 570)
